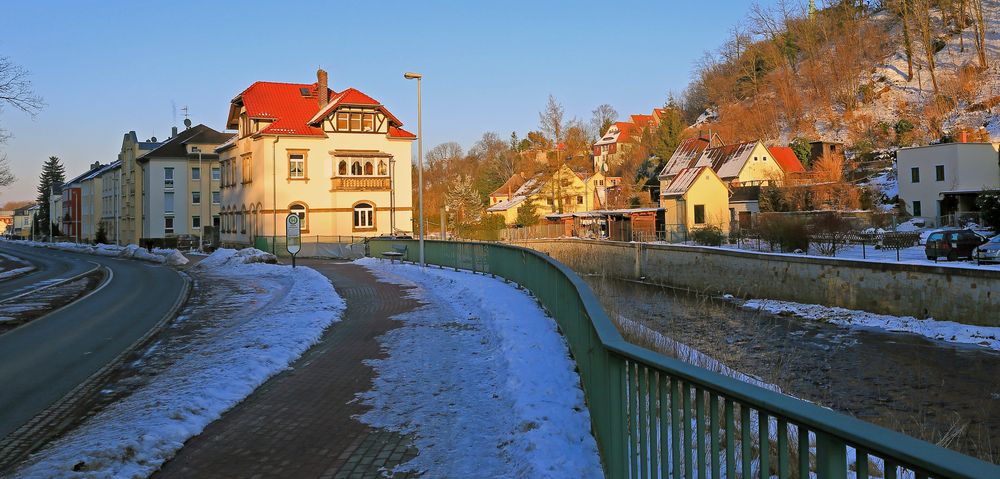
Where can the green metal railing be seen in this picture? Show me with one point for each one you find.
(655, 416)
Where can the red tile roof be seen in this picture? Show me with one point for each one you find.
(295, 114)
(785, 157)
(510, 186)
(641, 120)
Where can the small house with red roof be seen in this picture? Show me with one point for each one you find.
(785, 156)
(339, 159)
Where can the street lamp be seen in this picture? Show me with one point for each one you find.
(420, 164)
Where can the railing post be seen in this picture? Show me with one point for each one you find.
(831, 457)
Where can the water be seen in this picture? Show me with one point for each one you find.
(924, 388)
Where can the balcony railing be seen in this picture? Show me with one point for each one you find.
(658, 417)
(360, 183)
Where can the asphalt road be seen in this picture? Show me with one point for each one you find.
(45, 359)
(48, 269)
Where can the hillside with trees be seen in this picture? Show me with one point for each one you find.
(869, 74)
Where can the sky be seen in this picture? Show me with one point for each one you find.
(105, 68)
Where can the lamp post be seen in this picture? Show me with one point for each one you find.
(420, 164)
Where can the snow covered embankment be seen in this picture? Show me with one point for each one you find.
(159, 255)
(10, 273)
(948, 331)
(482, 379)
(132, 437)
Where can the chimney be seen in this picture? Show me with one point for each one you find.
(963, 136)
(321, 88)
(173, 132)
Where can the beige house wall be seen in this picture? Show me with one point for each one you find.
(707, 190)
(764, 168)
(269, 196)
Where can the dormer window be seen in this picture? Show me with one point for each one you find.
(356, 121)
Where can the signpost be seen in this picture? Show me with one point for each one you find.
(293, 235)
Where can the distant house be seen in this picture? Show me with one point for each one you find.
(131, 188)
(939, 181)
(23, 220)
(92, 201)
(506, 191)
(819, 149)
(7, 222)
(786, 158)
(696, 198)
(181, 184)
(564, 191)
(685, 156)
(614, 145)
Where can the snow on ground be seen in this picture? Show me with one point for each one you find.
(285, 314)
(159, 255)
(10, 273)
(911, 255)
(482, 378)
(988, 337)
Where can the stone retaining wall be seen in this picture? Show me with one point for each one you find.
(965, 295)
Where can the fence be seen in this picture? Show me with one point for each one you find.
(346, 247)
(655, 416)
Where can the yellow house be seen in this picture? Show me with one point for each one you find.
(563, 191)
(696, 198)
(339, 160)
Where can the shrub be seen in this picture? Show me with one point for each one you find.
(101, 237)
(708, 236)
(989, 204)
(788, 233)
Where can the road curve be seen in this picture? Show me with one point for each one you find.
(45, 359)
(48, 269)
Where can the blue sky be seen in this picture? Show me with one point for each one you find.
(105, 68)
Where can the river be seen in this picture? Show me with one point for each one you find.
(933, 390)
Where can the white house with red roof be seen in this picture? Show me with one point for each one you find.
(340, 160)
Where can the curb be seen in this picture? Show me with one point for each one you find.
(59, 415)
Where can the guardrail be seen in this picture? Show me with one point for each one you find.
(655, 416)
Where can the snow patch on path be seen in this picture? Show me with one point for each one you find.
(948, 331)
(159, 255)
(482, 378)
(134, 436)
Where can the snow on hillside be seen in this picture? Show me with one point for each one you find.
(899, 95)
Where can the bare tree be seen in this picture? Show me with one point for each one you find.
(16, 91)
(925, 27)
(603, 117)
(551, 119)
(6, 177)
(979, 27)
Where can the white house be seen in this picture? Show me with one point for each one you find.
(938, 181)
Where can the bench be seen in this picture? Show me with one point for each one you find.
(398, 251)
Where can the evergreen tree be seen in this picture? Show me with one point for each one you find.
(101, 237)
(802, 149)
(53, 173)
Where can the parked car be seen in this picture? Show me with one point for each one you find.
(952, 244)
(989, 252)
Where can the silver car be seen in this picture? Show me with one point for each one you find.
(988, 252)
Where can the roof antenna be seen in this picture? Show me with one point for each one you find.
(187, 119)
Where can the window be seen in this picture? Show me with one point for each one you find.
(579, 199)
(914, 175)
(342, 119)
(196, 222)
(168, 202)
(364, 216)
(168, 225)
(297, 165)
(168, 177)
(196, 197)
(368, 122)
(916, 208)
(216, 174)
(939, 172)
(216, 196)
(216, 221)
(356, 168)
(342, 168)
(299, 210)
(355, 121)
(699, 214)
(382, 170)
(247, 169)
(196, 174)
(369, 169)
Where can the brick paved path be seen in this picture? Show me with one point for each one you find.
(299, 423)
